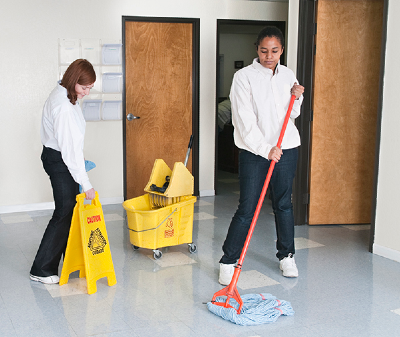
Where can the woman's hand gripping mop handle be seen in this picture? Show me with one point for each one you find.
(231, 290)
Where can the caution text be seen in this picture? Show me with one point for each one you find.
(94, 218)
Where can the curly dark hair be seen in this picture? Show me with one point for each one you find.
(270, 31)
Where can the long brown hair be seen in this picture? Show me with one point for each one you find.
(80, 71)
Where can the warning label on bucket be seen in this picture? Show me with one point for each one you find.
(169, 231)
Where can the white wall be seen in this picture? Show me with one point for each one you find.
(387, 227)
(292, 34)
(28, 68)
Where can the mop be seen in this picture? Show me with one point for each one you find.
(252, 309)
(257, 309)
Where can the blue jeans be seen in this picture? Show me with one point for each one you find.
(55, 237)
(253, 170)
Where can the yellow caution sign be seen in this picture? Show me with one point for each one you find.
(88, 248)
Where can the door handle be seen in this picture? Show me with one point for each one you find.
(131, 117)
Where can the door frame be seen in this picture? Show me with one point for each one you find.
(305, 70)
(282, 25)
(195, 89)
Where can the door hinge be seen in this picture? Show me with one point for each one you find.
(311, 115)
(306, 198)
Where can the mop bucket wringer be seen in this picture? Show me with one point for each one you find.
(163, 219)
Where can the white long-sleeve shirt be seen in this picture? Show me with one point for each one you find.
(63, 129)
(260, 100)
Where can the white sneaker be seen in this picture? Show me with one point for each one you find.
(288, 266)
(226, 273)
(45, 279)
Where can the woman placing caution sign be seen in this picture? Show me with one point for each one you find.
(62, 133)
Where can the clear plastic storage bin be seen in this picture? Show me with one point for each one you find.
(91, 109)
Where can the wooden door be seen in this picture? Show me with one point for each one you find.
(159, 89)
(346, 88)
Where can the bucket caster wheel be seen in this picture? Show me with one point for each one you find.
(157, 254)
(135, 247)
(192, 248)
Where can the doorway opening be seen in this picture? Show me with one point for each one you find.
(235, 50)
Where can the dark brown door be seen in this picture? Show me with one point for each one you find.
(346, 88)
(159, 89)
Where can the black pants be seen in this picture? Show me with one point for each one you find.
(54, 241)
(253, 170)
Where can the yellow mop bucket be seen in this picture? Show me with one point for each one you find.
(156, 219)
(163, 227)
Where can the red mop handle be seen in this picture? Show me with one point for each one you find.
(231, 290)
(266, 183)
(286, 121)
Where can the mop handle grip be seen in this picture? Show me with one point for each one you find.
(190, 142)
(188, 150)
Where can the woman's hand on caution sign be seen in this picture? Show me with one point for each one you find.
(90, 194)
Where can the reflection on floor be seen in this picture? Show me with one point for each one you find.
(342, 290)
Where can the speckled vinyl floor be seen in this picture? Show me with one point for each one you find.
(342, 289)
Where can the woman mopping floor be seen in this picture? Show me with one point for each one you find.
(260, 95)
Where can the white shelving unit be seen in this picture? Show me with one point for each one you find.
(104, 103)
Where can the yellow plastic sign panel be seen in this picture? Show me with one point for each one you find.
(88, 248)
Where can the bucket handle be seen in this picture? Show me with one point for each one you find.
(150, 229)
